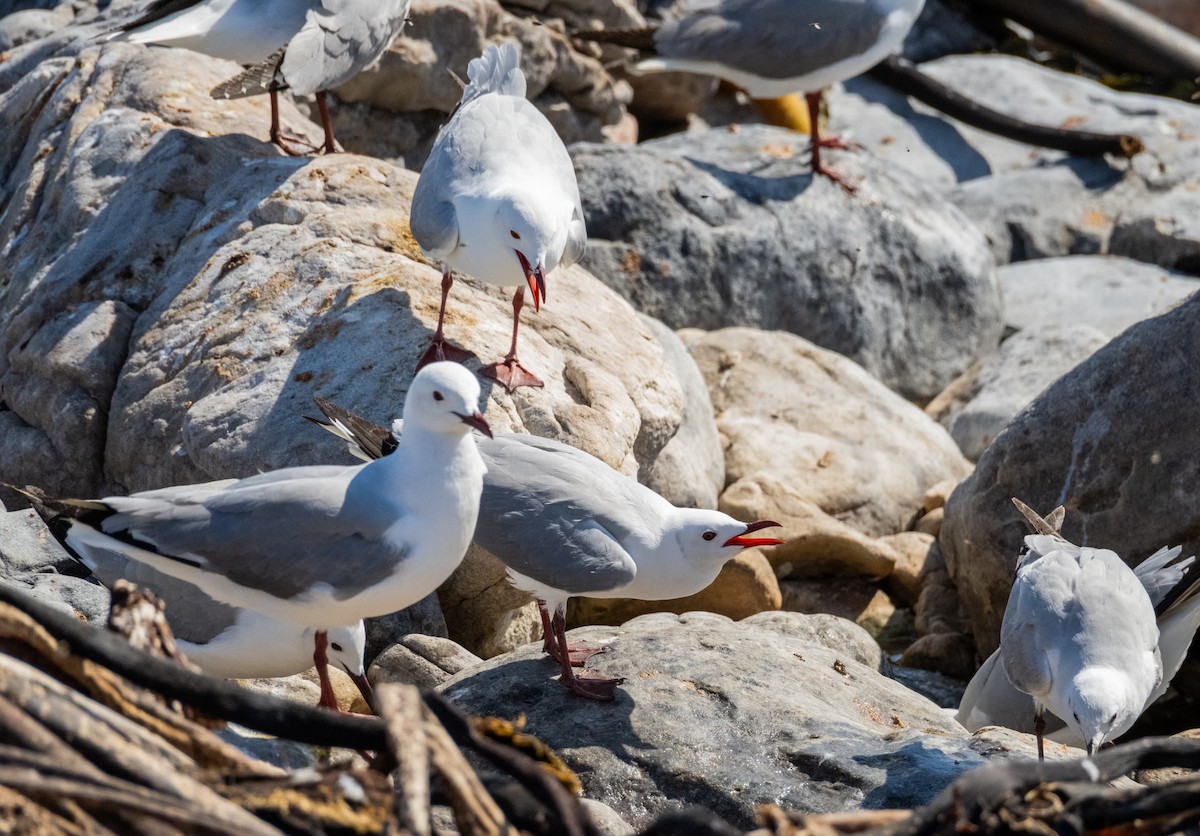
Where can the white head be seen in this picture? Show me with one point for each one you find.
(346, 648)
(711, 538)
(1104, 704)
(444, 399)
(537, 236)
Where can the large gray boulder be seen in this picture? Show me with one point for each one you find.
(723, 227)
(1114, 441)
(177, 291)
(729, 715)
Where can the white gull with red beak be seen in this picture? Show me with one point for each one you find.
(497, 199)
(318, 546)
(567, 524)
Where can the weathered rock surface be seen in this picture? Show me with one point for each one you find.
(1113, 440)
(980, 403)
(690, 470)
(250, 283)
(1037, 203)
(1105, 292)
(726, 227)
(424, 661)
(803, 423)
(728, 715)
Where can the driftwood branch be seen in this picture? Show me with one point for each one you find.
(1114, 33)
(903, 76)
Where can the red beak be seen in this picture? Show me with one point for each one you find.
(477, 421)
(749, 542)
(536, 278)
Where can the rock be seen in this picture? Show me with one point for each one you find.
(930, 523)
(950, 653)
(725, 227)
(85, 599)
(1029, 202)
(424, 617)
(484, 612)
(792, 414)
(863, 603)
(936, 496)
(977, 406)
(690, 470)
(997, 743)
(605, 819)
(285, 754)
(1121, 462)
(406, 96)
(253, 282)
(423, 661)
(30, 24)
(730, 716)
(912, 550)
(26, 545)
(746, 585)
(1162, 231)
(938, 608)
(1106, 293)
(838, 634)
(939, 689)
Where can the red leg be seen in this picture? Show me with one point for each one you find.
(330, 146)
(293, 146)
(576, 654)
(592, 688)
(510, 373)
(321, 658)
(548, 645)
(439, 349)
(814, 116)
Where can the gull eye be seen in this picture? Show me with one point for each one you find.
(1112, 719)
(514, 234)
(336, 646)
(438, 396)
(708, 535)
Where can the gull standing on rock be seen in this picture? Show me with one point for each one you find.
(566, 524)
(497, 199)
(317, 546)
(991, 700)
(309, 46)
(772, 48)
(1079, 636)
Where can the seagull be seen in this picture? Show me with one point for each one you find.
(772, 48)
(234, 643)
(991, 700)
(567, 524)
(497, 199)
(309, 46)
(318, 547)
(1062, 644)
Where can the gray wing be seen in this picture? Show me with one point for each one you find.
(554, 517)
(991, 700)
(281, 532)
(192, 614)
(774, 38)
(432, 217)
(339, 39)
(1022, 639)
(1157, 576)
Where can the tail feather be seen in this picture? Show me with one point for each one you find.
(498, 70)
(255, 80)
(641, 38)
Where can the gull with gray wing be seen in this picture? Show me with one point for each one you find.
(308, 46)
(497, 200)
(771, 48)
(317, 547)
(1079, 636)
(567, 524)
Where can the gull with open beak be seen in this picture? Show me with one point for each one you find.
(566, 524)
(497, 200)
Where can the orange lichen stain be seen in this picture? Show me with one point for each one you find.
(1072, 122)
(632, 262)
(398, 238)
(826, 459)
(233, 262)
(871, 712)
(1096, 219)
(648, 674)
(839, 666)
(227, 368)
(897, 722)
(779, 150)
